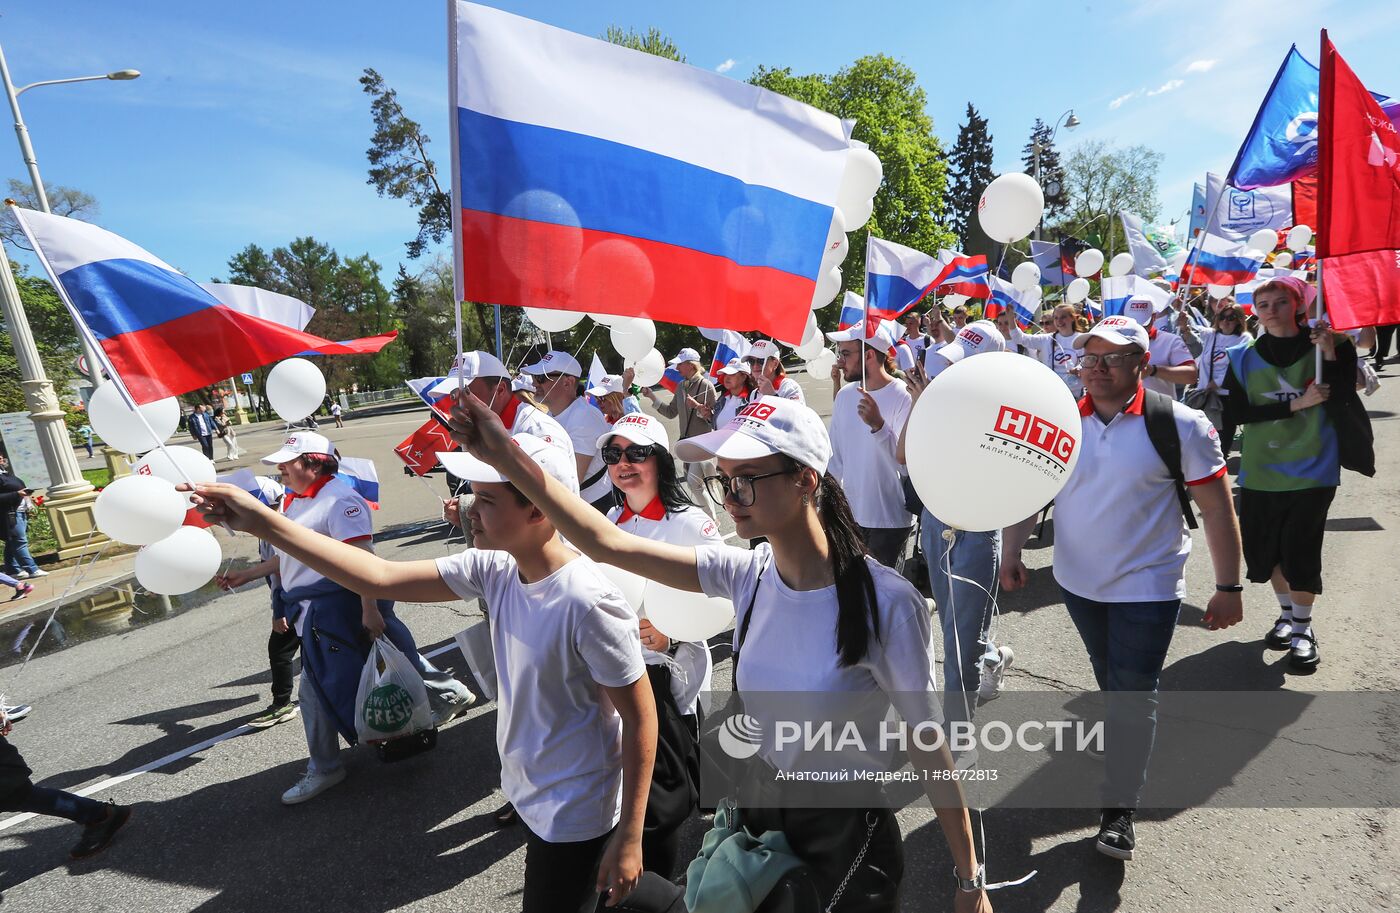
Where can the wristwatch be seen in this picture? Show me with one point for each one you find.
(1229, 588)
(975, 883)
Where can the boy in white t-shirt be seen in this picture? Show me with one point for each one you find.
(576, 728)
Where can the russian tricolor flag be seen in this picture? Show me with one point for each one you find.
(1005, 296)
(898, 277)
(963, 275)
(592, 177)
(1219, 261)
(671, 380)
(160, 333)
(361, 475)
(728, 345)
(1117, 291)
(852, 311)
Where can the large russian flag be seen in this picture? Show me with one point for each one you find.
(158, 331)
(1221, 262)
(591, 177)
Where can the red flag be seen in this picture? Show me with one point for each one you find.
(1358, 166)
(419, 450)
(1363, 290)
(1305, 201)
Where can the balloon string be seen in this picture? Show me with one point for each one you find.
(82, 570)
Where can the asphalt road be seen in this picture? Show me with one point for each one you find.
(209, 832)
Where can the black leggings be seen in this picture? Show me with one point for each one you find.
(561, 877)
(41, 800)
(281, 650)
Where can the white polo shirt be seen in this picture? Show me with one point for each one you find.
(790, 389)
(584, 423)
(864, 463)
(687, 526)
(331, 507)
(556, 641)
(1119, 532)
(1166, 350)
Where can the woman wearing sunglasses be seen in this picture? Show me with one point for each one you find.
(655, 506)
(1226, 330)
(815, 614)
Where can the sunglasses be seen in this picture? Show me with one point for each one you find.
(635, 453)
(1112, 359)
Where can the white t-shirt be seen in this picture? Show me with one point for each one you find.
(1215, 358)
(864, 463)
(788, 388)
(332, 509)
(584, 423)
(556, 641)
(523, 418)
(1119, 532)
(691, 666)
(1056, 350)
(728, 405)
(1167, 350)
(791, 642)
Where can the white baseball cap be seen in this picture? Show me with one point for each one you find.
(974, 339)
(1140, 308)
(887, 333)
(302, 442)
(686, 354)
(550, 458)
(469, 366)
(608, 383)
(555, 362)
(523, 382)
(1119, 329)
(762, 428)
(735, 366)
(765, 349)
(639, 428)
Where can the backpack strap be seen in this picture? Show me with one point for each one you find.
(742, 631)
(1161, 431)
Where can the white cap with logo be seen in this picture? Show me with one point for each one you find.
(765, 349)
(887, 333)
(302, 442)
(686, 354)
(639, 428)
(608, 383)
(1119, 329)
(551, 459)
(469, 366)
(735, 366)
(762, 428)
(974, 339)
(555, 362)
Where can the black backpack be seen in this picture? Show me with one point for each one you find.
(1161, 431)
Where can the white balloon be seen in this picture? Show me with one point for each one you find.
(828, 287)
(1219, 291)
(1077, 291)
(1088, 262)
(820, 365)
(810, 348)
(1026, 275)
(1001, 412)
(180, 563)
(295, 388)
(954, 299)
(121, 428)
(1179, 259)
(632, 586)
(552, 321)
(1010, 207)
(139, 510)
(860, 180)
(1282, 260)
(633, 337)
(1298, 237)
(1121, 264)
(177, 465)
(837, 244)
(685, 616)
(1265, 239)
(648, 370)
(606, 320)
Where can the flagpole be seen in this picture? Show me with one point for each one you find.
(1318, 373)
(459, 287)
(865, 312)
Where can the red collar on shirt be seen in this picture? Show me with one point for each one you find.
(1086, 405)
(653, 511)
(311, 491)
(508, 413)
(1151, 331)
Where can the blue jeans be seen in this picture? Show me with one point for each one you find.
(17, 557)
(964, 610)
(1127, 644)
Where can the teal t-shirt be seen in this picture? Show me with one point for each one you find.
(1290, 454)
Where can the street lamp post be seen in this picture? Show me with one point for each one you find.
(69, 497)
(1070, 122)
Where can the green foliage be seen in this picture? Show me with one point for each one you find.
(653, 42)
(1100, 180)
(971, 162)
(884, 98)
(400, 166)
(54, 337)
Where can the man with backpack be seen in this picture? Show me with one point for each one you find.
(1121, 543)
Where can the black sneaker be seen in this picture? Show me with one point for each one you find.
(1116, 837)
(1280, 636)
(96, 836)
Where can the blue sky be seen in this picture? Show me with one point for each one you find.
(248, 124)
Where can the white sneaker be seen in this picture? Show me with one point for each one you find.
(312, 785)
(20, 575)
(994, 666)
(37, 573)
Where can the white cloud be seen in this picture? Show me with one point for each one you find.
(1168, 86)
(726, 66)
(1201, 66)
(1119, 101)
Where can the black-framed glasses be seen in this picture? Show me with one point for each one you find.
(1112, 359)
(721, 486)
(635, 453)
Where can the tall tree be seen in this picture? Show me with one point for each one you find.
(400, 166)
(54, 337)
(885, 99)
(1101, 180)
(971, 165)
(652, 42)
(1052, 173)
(63, 201)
